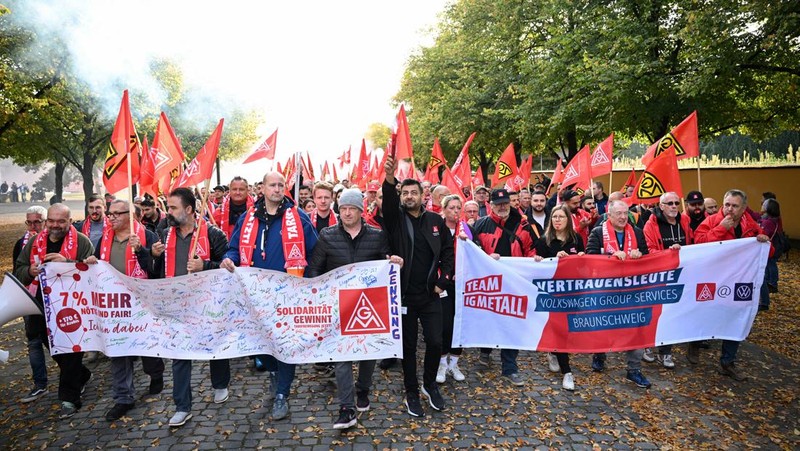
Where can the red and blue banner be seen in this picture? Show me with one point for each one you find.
(594, 303)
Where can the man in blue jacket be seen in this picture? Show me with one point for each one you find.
(266, 236)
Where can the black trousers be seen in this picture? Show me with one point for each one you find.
(73, 375)
(448, 317)
(429, 314)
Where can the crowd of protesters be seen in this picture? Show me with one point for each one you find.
(413, 224)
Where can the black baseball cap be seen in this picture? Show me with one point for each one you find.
(694, 197)
(500, 196)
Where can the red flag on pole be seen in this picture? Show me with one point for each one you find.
(403, 148)
(506, 167)
(437, 160)
(265, 150)
(147, 177)
(524, 176)
(450, 182)
(630, 182)
(310, 167)
(578, 171)
(603, 157)
(684, 139)
(201, 167)
(168, 157)
(478, 180)
(326, 171)
(558, 176)
(124, 143)
(361, 169)
(462, 172)
(659, 177)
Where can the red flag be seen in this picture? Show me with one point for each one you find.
(361, 168)
(278, 164)
(326, 172)
(659, 177)
(201, 167)
(478, 180)
(450, 182)
(289, 172)
(630, 182)
(147, 176)
(523, 179)
(310, 167)
(506, 167)
(578, 171)
(558, 176)
(403, 148)
(344, 158)
(437, 160)
(124, 142)
(684, 139)
(603, 157)
(374, 169)
(335, 176)
(168, 157)
(265, 150)
(462, 173)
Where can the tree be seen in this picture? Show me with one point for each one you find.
(378, 135)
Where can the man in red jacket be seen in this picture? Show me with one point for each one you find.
(728, 224)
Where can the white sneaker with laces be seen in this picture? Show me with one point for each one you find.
(179, 419)
(456, 372)
(552, 362)
(648, 355)
(569, 382)
(220, 395)
(667, 361)
(441, 374)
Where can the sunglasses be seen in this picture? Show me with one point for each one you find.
(37, 222)
(671, 204)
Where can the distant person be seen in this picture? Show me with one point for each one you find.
(23, 192)
(710, 206)
(695, 208)
(600, 197)
(4, 188)
(14, 192)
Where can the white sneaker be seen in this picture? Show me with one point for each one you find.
(666, 360)
(220, 395)
(569, 382)
(648, 355)
(441, 374)
(179, 419)
(456, 372)
(552, 362)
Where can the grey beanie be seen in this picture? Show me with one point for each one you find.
(352, 197)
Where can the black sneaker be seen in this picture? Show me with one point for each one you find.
(118, 411)
(385, 364)
(69, 409)
(156, 385)
(434, 397)
(88, 379)
(413, 405)
(34, 394)
(347, 419)
(362, 401)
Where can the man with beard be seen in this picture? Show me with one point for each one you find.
(173, 253)
(231, 208)
(303, 193)
(667, 228)
(695, 209)
(34, 221)
(152, 216)
(710, 205)
(538, 214)
(94, 225)
(260, 239)
(350, 241)
(128, 251)
(424, 242)
(59, 242)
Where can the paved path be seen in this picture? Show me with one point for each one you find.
(14, 212)
(483, 411)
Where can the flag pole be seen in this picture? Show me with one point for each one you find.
(204, 198)
(699, 184)
(130, 191)
(611, 179)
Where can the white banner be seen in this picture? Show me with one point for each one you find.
(595, 303)
(350, 313)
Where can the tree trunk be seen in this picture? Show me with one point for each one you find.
(572, 142)
(59, 189)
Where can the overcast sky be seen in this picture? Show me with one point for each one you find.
(320, 71)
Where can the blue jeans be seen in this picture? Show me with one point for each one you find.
(182, 380)
(771, 274)
(729, 349)
(37, 359)
(285, 373)
(764, 299)
(508, 360)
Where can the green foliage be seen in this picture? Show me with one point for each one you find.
(553, 75)
(378, 135)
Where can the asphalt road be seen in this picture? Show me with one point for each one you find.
(15, 212)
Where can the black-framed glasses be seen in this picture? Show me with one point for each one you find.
(114, 214)
(37, 222)
(674, 203)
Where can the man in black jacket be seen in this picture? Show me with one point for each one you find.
(424, 242)
(350, 241)
(177, 258)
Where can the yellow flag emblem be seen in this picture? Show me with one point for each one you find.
(650, 187)
(434, 162)
(503, 170)
(665, 143)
